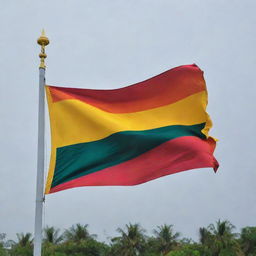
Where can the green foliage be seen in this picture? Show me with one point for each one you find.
(51, 235)
(23, 247)
(248, 241)
(88, 247)
(24, 240)
(77, 241)
(3, 252)
(166, 238)
(77, 233)
(21, 251)
(217, 239)
(190, 250)
(220, 240)
(130, 243)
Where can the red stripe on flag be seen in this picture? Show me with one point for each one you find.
(174, 156)
(164, 89)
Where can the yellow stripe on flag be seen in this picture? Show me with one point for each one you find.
(78, 122)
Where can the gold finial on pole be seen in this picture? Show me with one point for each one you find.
(43, 41)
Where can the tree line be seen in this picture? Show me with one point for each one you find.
(218, 239)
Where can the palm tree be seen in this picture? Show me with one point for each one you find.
(51, 235)
(222, 228)
(131, 242)
(23, 246)
(206, 240)
(166, 238)
(204, 236)
(24, 239)
(222, 238)
(248, 240)
(78, 233)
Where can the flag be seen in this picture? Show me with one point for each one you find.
(130, 135)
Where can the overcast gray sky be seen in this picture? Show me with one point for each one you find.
(114, 43)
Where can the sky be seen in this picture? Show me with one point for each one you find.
(115, 43)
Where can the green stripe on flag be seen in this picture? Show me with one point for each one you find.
(78, 160)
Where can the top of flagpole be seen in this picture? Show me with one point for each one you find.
(43, 41)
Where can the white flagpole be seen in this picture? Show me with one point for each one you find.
(43, 41)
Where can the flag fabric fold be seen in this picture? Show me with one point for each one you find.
(130, 135)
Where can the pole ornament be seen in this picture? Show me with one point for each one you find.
(43, 41)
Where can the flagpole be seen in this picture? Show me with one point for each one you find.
(43, 41)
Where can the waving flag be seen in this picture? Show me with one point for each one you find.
(130, 135)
